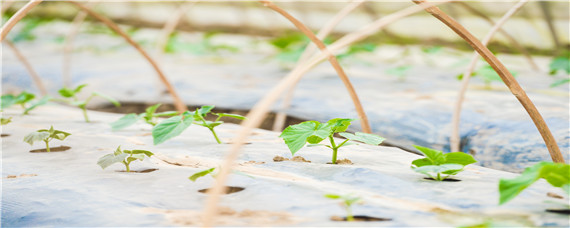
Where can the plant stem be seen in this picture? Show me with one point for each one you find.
(334, 148)
(85, 115)
(127, 166)
(349, 217)
(215, 136)
(439, 177)
(47, 145)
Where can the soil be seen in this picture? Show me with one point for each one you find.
(52, 149)
(446, 179)
(554, 195)
(252, 163)
(295, 159)
(267, 123)
(228, 190)
(139, 171)
(360, 218)
(21, 175)
(4, 135)
(559, 211)
(344, 161)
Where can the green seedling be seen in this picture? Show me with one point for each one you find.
(71, 94)
(205, 46)
(123, 156)
(356, 49)
(400, 71)
(22, 99)
(175, 125)
(212, 173)
(149, 116)
(46, 135)
(4, 121)
(556, 174)
(314, 132)
(347, 202)
(436, 164)
(560, 63)
(487, 74)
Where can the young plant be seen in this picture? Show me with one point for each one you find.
(46, 135)
(487, 74)
(560, 64)
(556, 174)
(4, 121)
(347, 202)
(82, 104)
(314, 132)
(149, 116)
(436, 164)
(22, 99)
(175, 125)
(123, 156)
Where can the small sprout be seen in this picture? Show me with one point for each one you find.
(358, 48)
(123, 156)
(211, 172)
(560, 63)
(46, 136)
(487, 74)
(175, 125)
(557, 174)
(400, 71)
(22, 99)
(5, 121)
(149, 116)
(347, 202)
(437, 163)
(72, 94)
(313, 132)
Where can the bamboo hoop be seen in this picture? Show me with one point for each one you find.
(260, 110)
(17, 17)
(180, 106)
(33, 74)
(505, 75)
(456, 117)
(171, 25)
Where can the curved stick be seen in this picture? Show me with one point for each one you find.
(505, 75)
(281, 116)
(35, 77)
(511, 39)
(177, 101)
(171, 24)
(17, 17)
(76, 25)
(332, 59)
(455, 119)
(260, 110)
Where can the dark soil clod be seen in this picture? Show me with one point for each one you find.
(345, 161)
(139, 171)
(360, 218)
(445, 180)
(4, 135)
(52, 149)
(559, 211)
(228, 190)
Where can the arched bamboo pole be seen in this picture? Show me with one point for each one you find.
(180, 106)
(17, 17)
(69, 39)
(171, 24)
(331, 58)
(281, 116)
(511, 39)
(35, 77)
(456, 117)
(505, 75)
(260, 110)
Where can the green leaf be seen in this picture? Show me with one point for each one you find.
(332, 196)
(235, 116)
(560, 63)
(197, 175)
(7, 101)
(436, 156)
(557, 174)
(560, 82)
(339, 124)
(110, 159)
(41, 102)
(363, 137)
(24, 97)
(4, 121)
(151, 110)
(204, 110)
(432, 49)
(66, 92)
(422, 162)
(510, 188)
(459, 158)
(171, 127)
(134, 158)
(59, 135)
(79, 88)
(399, 71)
(110, 99)
(145, 152)
(296, 136)
(167, 113)
(125, 121)
(433, 170)
(36, 136)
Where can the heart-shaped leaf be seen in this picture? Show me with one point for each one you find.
(124, 121)
(363, 137)
(171, 127)
(197, 175)
(110, 159)
(36, 136)
(296, 136)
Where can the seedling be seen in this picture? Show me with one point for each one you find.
(4, 121)
(487, 74)
(175, 125)
(314, 132)
(46, 135)
(72, 94)
(205, 46)
(149, 116)
(400, 71)
(557, 174)
(197, 175)
(436, 164)
(347, 202)
(560, 64)
(358, 48)
(123, 156)
(22, 99)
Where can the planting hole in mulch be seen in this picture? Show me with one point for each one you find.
(445, 180)
(52, 149)
(345, 161)
(4, 135)
(360, 218)
(228, 190)
(138, 171)
(559, 211)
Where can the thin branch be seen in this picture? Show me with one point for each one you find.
(260, 110)
(177, 101)
(17, 17)
(456, 117)
(511, 39)
(505, 75)
(281, 116)
(35, 77)
(171, 24)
